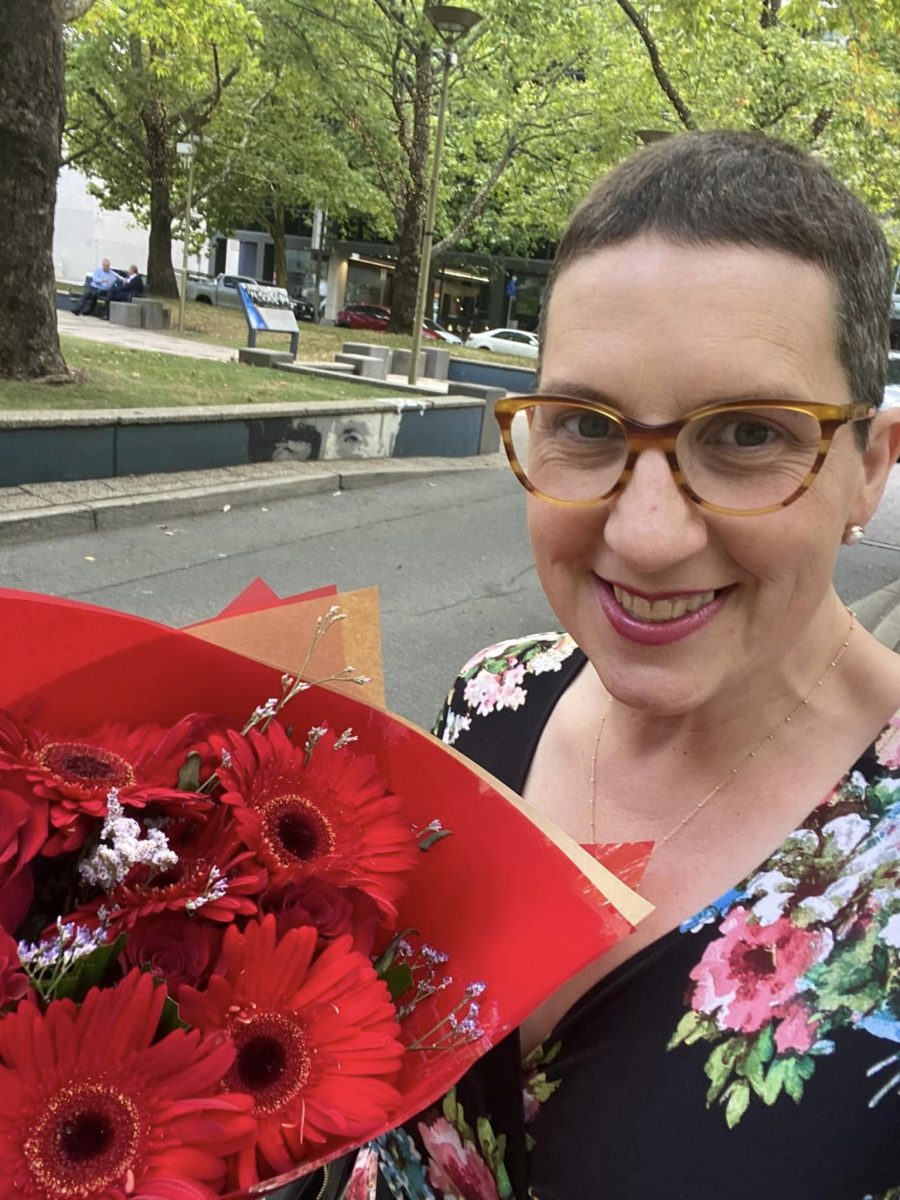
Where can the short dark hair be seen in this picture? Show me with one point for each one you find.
(740, 188)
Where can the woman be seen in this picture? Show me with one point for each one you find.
(713, 352)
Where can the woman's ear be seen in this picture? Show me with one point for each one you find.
(879, 458)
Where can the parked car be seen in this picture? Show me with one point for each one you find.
(220, 291)
(304, 309)
(364, 316)
(438, 331)
(506, 341)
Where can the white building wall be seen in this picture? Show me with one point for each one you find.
(84, 234)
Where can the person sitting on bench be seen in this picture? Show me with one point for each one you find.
(126, 292)
(101, 282)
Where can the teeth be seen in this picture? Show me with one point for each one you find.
(661, 610)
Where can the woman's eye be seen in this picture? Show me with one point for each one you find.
(587, 425)
(746, 434)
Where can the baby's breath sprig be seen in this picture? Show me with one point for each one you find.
(293, 684)
(454, 1029)
(49, 962)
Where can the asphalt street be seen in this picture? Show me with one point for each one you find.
(450, 556)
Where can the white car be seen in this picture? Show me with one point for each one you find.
(506, 341)
(439, 331)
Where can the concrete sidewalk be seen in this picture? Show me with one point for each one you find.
(40, 510)
(94, 329)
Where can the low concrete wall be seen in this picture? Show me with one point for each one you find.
(44, 447)
(513, 379)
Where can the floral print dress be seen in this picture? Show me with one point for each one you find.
(751, 1054)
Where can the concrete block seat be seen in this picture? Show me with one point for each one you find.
(154, 314)
(364, 365)
(123, 313)
(437, 362)
(370, 349)
(257, 356)
(401, 361)
(482, 390)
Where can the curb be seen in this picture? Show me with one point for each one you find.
(91, 516)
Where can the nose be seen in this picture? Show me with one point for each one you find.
(652, 525)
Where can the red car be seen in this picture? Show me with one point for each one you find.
(364, 316)
(372, 316)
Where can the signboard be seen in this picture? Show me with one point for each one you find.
(268, 310)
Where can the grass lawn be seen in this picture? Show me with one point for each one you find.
(227, 327)
(118, 378)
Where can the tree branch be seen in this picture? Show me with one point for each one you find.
(662, 78)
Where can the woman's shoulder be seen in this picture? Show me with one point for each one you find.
(499, 679)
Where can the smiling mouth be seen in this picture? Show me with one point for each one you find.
(658, 611)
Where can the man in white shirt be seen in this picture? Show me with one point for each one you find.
(102, 280)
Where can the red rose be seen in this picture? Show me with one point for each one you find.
(332, 910)
(15, 899)
(174, 947)
(23, 831)
(13, 980)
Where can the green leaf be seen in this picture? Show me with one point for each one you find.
(693, 1027)
(383, 963)
(720, 1065)
(170, 1018)
(399, 979)
(189, 774)
(90, 971)
(436, 836)
(774, 1082)
(753, 1066)
(738, 1101)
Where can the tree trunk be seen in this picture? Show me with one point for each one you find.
(406, 276)
(160, 272)
(32, 111)
(411, 218)
(279, 237)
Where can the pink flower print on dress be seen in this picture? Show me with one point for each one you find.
(746, 974)
(794, 1031)
(512, 695)
(482, 692)
(456, 1169)
(887, 748)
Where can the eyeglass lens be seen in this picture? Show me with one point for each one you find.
(739, 458)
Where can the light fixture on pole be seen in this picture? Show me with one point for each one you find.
(452, 24)
(187, 150)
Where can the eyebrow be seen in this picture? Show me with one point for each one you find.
(580, 391)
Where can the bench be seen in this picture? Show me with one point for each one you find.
(365, 365)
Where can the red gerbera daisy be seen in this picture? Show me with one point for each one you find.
(215, 875)
(75, 774)
(332, 818)
(314, 1041)
(90, 1109)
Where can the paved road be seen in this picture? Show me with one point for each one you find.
(450, 555)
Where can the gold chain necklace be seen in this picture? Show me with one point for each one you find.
(751, 754)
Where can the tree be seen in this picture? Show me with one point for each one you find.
(519, 92)
(32, 111)
(822, 75)
(145, 76)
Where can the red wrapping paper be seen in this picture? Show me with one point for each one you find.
(510, 898)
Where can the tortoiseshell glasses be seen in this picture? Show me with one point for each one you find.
(739, 458)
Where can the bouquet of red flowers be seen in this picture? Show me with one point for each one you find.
(225, 955)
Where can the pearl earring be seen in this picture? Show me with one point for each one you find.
(853, 535)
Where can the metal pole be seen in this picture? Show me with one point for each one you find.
(187, 237)
(428, 236)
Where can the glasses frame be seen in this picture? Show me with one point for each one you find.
(641, 437)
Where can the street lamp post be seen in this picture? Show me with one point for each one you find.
(452, 23)
(186, 150)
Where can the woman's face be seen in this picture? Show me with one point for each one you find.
(656, 330)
